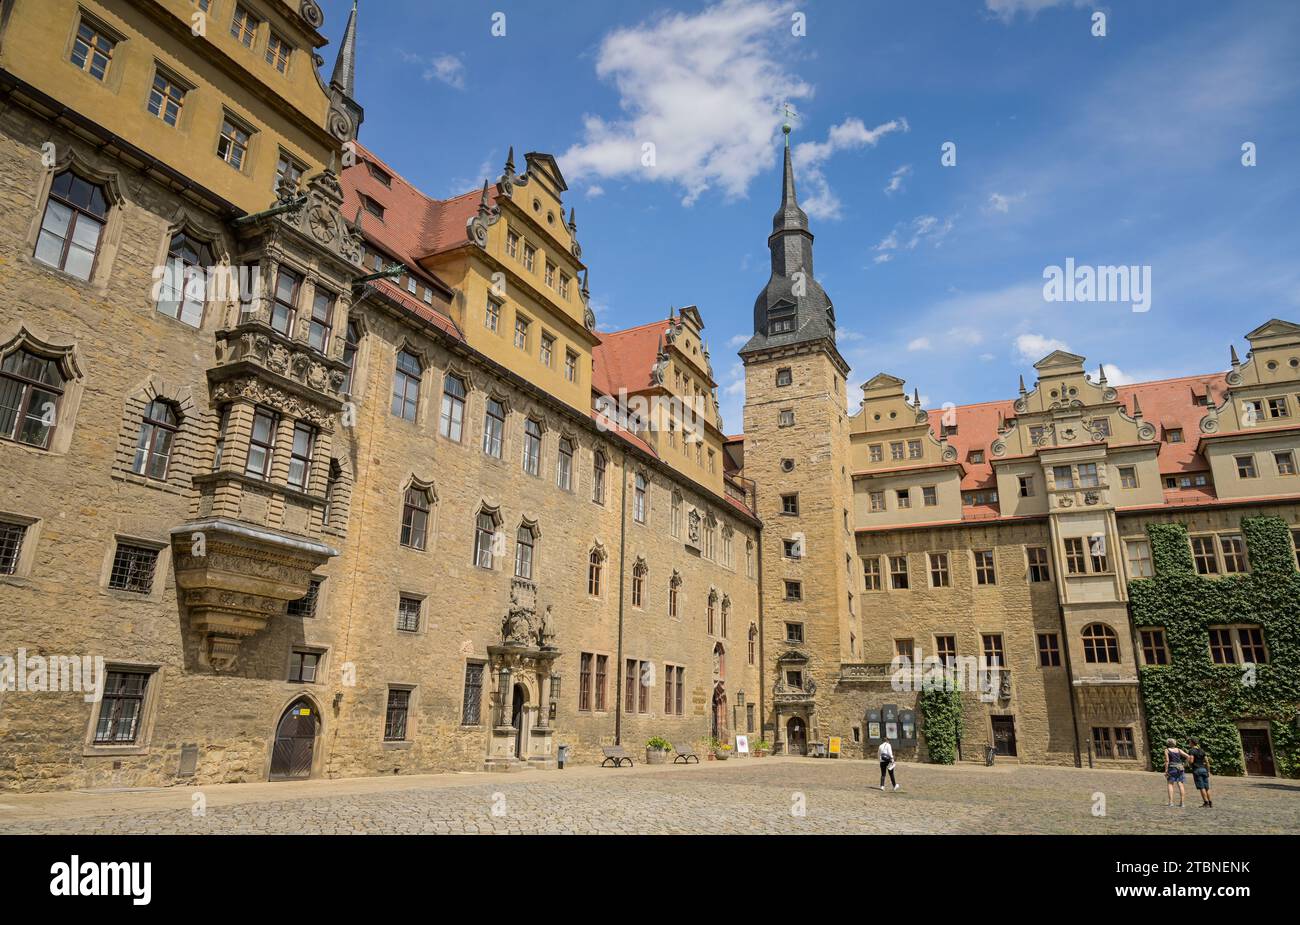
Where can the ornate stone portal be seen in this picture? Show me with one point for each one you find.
(521, 666)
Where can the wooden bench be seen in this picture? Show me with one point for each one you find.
(615, 754)
(684, 755)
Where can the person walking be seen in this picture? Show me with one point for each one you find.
(1201, 772)
(887, 763)
(1175, 760)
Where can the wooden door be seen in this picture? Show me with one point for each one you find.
(295, 743)
(1004, 735)
(1258, 753)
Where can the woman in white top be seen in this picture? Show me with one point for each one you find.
(887, 763)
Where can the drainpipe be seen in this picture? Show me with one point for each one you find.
(622, 553)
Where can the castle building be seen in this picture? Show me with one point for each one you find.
(332, 477)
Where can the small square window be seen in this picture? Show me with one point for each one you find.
(793, 591)
(784, 376)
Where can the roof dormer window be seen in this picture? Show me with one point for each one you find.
(378, 174)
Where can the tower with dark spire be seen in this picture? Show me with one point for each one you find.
(795, 448)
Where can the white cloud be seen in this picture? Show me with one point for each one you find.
(1002, 203)
(907, 235)
(918, 343)
(1030, 348)
(595, 190)
(704, 88)
(966, 336)
(1006, 10)
(896, 179)
(736, 341)
(1116, 376)
(819, 200)
(882, 258)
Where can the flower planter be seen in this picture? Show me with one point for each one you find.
(656, 756)
(722, 756)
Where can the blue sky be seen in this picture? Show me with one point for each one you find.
(1123, 149)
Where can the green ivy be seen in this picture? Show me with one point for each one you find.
(941, 722)
(1192, 696)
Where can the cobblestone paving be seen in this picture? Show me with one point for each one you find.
(754, 797)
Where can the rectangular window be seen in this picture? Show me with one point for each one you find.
(408, 614)
(784, 377)
(395, 716)
(896, 450)
(584, 682)
(1154, 649)
(494, 427)
(530, 257)
(305, 606)
(1246, 467)
(946, 648)
(1075, 561)
(994, 656)
(302, 666)
(1088, 475)
(1128, 477)
(304, 439)
(789, 504)
(1234, 553)
(1036, 557)
(492, 315)
(532, 446)
(11, 546)
(1124, 743)
(548, 349)
(793, 591)
(318, 332)
(122, 708)
(984, 571)
(521, 333)
(1203, 554)
(166, 97)
(785, 418)
(903, 497)
(232, 146)
(791, 548)
(92, 49)
(1049, 650)
(261, 447)
(1221, 650)
(1174, 435)
(1251, 640)
(1097, 549)
(871, 574)
(1103, 746)
(1139, 558)
(550, 275)
(1277, 407)
(472, 701)
(278, 52)
(939, 570)
(602, 670)
(285, 304)
(629, 685)
(876, 452)
(564, 286)
(898, 572)
(133, 568)
(244, 26)
(1285, 462)
(570, 366)
(877, 501)
(1064, 476)
(914, 450)
(794, 632)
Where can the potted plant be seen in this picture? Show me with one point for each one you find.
(656, 750)
(761, 748)
(721, 751)
(714, 747)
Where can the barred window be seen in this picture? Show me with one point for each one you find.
(305, 606)
(472, 706)
(408, 614)
(133, 568)
(399, 705)
(11, 546)
(121, 708)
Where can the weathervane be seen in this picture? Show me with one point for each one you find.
(789, 111)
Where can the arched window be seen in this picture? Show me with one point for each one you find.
(638, 499)
(153, 451)
(184, 290)
(532, 446)
(726, 612)
(598, 477)
(564, 464)
(1100, 644)
(727, 534)
(524, 548)
(75, 215)
(451, 422)
(674, 591)
(713, 608)
(415, 518)
(406, 385)
(494, 427)
(30, 391)
(638, 583)
(753, 643)
(710, 537)
(485, 529)
(350, 355)
(595, 563)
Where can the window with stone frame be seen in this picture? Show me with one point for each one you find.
(532, 460)
(939, 577)
(1205, 555)
(121, 709)
(11, 546)
(303, 665)
(564, 464)
(396, 714)
(301, 450)
(871, 574)
(1049, 650)
(595, 570)
(525, 551)
(1139, 558)
(585, 677)
(1037, 568)
(153, 450)
(305, 606)
(406, 385)
(494, 428)
(945, 647)
(31, 393)
(898, 573)
(1100, 644)
(471, 711)
(1155, 650)
(485, 528)
(639, 572)
(93, 47)
(408, 613)
(1076, 562)
(72, 227)
(599, 463)
(415, 518)
(133, 568)
(261, 447)
(182, 290)
(985, 572)
(451, 417)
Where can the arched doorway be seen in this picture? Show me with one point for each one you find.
(295, 741)
(719, 722)
(796, 737)
(519, 719)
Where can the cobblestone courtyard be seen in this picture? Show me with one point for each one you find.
(738, 796)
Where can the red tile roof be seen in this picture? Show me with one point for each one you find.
(1165, 402)
(624, 359)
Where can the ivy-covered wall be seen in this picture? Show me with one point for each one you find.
(1192, 696)
(941, 722)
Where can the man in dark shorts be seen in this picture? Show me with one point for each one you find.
(1200, 771)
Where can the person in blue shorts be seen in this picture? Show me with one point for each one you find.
(1175, 761)
(1201, 772)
